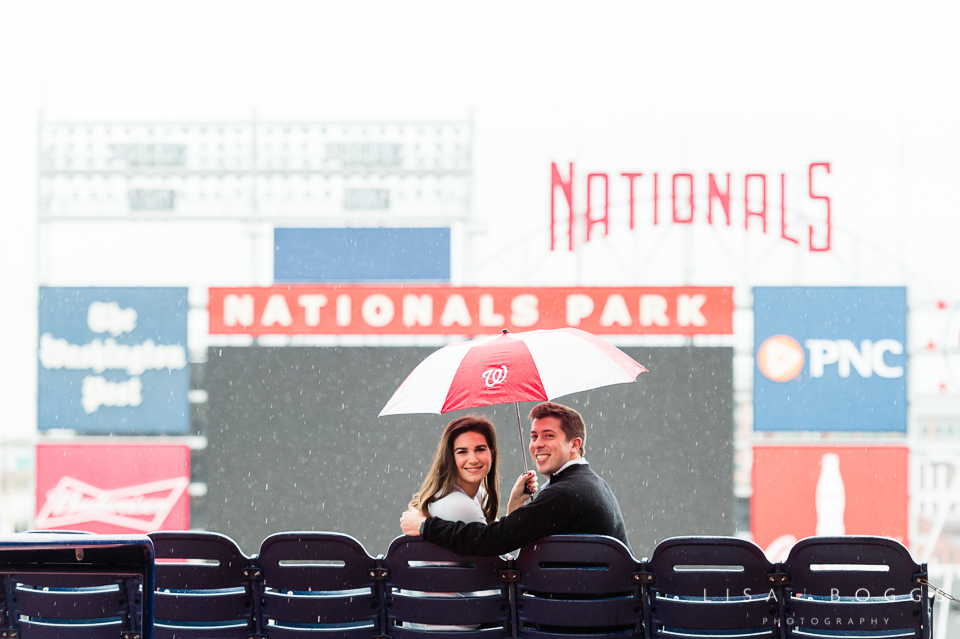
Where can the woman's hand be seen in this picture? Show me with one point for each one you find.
(518, 497)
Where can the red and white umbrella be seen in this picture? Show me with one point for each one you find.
(511, 367)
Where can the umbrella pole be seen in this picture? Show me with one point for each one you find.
(520, 432)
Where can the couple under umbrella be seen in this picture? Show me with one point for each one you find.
(458, 502)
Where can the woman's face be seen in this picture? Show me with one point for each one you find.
(474, 458)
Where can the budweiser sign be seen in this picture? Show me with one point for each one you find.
(448, 310)
(144, 507)
(113, 488)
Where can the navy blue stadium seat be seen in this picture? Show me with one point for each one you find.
(76, 586)
(716, 586)
(318, 584)
(578, 586)
(204, 587)
(855, 587)
(433, 587)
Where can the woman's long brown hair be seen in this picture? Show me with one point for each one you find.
(441, 480)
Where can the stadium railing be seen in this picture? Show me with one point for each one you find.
(315, 584)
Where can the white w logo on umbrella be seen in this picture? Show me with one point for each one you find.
(494, 376)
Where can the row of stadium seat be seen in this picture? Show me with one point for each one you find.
(304, 583)
(314, 584)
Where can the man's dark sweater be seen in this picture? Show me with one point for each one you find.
(576, 502)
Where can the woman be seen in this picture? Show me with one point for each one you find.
(462, 483)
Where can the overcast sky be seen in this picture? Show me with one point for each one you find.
(871, 87)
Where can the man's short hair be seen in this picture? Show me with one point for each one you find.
(570, 421)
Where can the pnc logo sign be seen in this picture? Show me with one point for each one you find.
(867, 359)
(830, 359)
(781, 358)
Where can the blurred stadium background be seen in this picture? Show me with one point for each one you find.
(224, 304)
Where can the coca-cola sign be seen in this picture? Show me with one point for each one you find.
(802, 491)
(111, 488)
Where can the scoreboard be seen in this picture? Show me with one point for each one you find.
(337, 172)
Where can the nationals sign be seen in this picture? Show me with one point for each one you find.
(446, 310)
(685, 198)
(802, 491)
(113, 488)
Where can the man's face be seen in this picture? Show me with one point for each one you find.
(549, 447)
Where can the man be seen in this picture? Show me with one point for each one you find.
(575, 500)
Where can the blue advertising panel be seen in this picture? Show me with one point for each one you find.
(315, 255)
(830, 359)
(114, 360)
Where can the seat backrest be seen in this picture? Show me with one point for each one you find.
(430, 588)
(577, 585)
(698, 584)
(72, 586)
(203, 587)
(868, 585)
(318, 581)
(73, 606)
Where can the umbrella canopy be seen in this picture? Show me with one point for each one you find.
(511, 367)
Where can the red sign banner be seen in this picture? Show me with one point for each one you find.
(802, 491)
(446, 310)
(113, 488)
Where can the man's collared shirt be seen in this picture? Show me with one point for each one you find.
(572, 462)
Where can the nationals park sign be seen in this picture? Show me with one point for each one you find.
(446, 310)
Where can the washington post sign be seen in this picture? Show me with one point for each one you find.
(114, 360)
(830, 359)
